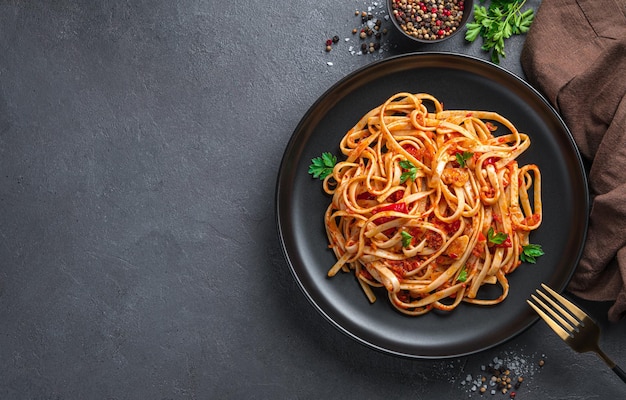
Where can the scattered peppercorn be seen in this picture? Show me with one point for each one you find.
(330, 42)
(370, 30)
(541, 362)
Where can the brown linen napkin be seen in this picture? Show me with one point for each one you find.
(575, 54)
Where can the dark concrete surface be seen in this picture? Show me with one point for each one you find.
(139, 259)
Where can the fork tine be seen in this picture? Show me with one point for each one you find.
(580, 314)
(554, 314)
(555, 327)
(560, 309)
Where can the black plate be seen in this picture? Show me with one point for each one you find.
(461, 82)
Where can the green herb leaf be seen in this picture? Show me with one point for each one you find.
(473, 31)
(410, 171)
(461, 158)
(500, 21)
(462, 275)
(406, 238)
(530, 252)
(322, 166)
(495, 238)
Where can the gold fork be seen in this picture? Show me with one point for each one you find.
(575, 327)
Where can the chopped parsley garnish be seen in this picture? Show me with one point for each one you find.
(496, 238)
(530, 252)
(462, 275)
(322, 166)
(410, 171)
(406, 238)
(461, 158)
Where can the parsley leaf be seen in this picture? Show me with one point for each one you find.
(406, 238)
(322, 166)
(461, 158)
(410, 171)
(496, 238)
(530, 252)
(500, 21)
(462, 275)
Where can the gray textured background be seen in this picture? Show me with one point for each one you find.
(139, 258)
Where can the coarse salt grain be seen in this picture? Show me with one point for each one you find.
(519, 368)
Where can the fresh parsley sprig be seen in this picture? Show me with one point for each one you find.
(501, 20)
(461, 158)
(322, 166)
(530, 252)
(409, 171)
(406, 238)
(462, 275)
(496, 238)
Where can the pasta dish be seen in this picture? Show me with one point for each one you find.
(431, 204)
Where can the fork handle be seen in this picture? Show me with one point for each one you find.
(619, 372)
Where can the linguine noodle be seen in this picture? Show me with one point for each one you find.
(430, 204)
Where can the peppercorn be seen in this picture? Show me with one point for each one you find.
(335, 39)
(328, 48)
